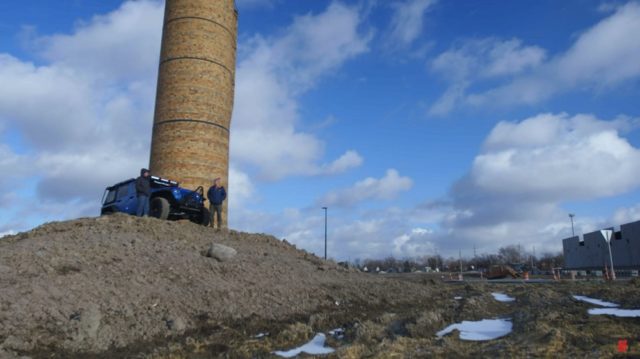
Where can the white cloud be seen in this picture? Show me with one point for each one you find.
(272, 73)
(68, 176)
(242, 187)
(385, 188)
(413, 244)
(12, 165)
(626, 215)
(79, 100)
(474, 60)
(348, 160)
(510, 57)
(489, 57)
(378, 234)
(7, 233)
(407, 22)
(105, 45)
(83, 114)
(551, 156)
(515, 188)
(602, 57)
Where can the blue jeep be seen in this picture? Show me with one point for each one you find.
(168, 200)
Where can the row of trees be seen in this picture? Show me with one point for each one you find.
(506, 255)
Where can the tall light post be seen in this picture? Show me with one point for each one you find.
(606, 233)
(325, 232)
(573, 233)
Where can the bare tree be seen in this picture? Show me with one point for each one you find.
(510, 254)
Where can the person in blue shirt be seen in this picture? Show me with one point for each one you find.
(216, 196)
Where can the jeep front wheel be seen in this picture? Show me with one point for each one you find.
(160, 208)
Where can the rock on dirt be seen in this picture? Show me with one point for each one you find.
(220, 252)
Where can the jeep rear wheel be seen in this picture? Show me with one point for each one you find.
(160, 208)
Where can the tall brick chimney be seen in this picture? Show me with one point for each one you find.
(194, 99)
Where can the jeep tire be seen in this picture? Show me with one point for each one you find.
(159, 208)
(205, 217)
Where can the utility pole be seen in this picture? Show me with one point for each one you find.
(534, 257)
(573, 233)
(325, 232)
(475, 266)
(532, 263)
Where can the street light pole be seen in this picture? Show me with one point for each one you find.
(573, 233)
(325, 232)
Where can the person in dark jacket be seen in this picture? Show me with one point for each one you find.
(143, 191)
(216, 195)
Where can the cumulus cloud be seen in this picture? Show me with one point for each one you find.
(407, 22)
(243, 188)
(85, 115)
(103, 45)
(82, 112)
(7, 233)
(348, 160)
(602, 57)
(351, 233)
(272, 73)
(413, 244)
(626, 215)
(515, 188)
(12, 165)
(385, 188)
(559, 152)
(479, 59)
(485, 210)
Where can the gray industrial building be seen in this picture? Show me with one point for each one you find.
(591, 252)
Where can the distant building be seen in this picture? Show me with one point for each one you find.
(591, 252)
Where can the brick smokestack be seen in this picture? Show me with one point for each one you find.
(194, 99)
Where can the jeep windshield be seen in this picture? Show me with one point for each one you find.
(109, 195)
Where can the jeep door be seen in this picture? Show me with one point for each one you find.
(126, 200)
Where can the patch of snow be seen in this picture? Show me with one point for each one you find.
(486, 329)
(595, 301)
(260, 335)
(314, 347)
(626, 313)
(457, 298)
(500, 297)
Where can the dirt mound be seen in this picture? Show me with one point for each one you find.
(98, 285)
(122, 286)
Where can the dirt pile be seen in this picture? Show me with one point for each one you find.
(122, 286)
(99, 285)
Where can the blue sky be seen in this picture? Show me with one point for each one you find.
(425, 126)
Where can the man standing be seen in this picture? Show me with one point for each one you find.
(143, 191)
(216, 195)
